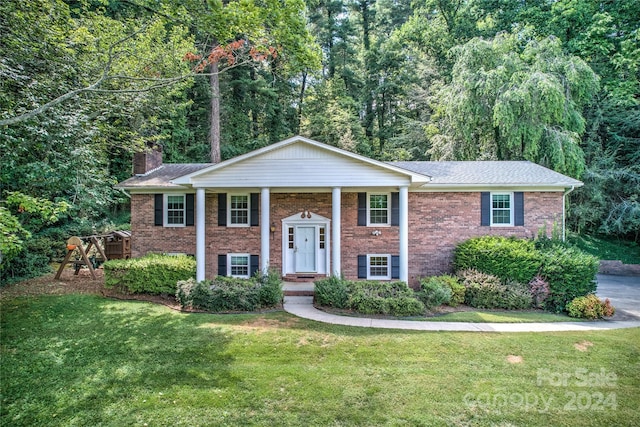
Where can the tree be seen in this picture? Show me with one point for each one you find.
(510, 100)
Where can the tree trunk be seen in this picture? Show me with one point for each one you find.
(301, 100)
(214, 132)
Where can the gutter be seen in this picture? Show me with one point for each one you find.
(564, 212)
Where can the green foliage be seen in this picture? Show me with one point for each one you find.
(225, 294)
(368, 297)
(533, 95)
(607, 249)
(435, 291)
(270, 291)
(331, 292)
(487, 291)
(457, 290)
(392, 298)
(570, 273)
(24, 254)
(152, 274)
(590, 307)
(13, 235)
(504, 257)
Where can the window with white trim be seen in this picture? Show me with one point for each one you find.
(322, 238)
(238, 210)
(174, 212)
(238, 265)
(378, 208)
(378, 267)
(502, 209)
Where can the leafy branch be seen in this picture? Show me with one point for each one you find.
(235, 54)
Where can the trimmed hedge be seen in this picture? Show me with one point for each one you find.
(567, 271)
(570, 273)
(368, 297)
(504, 257)
(230, 294)
(152, 274)
(331, 292)
(393, 298)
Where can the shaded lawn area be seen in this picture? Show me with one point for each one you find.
(87, 360)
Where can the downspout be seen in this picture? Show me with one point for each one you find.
(564, 212)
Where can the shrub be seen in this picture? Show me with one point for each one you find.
(394, 298)
(231, 294)
(270, 288)
(487, 291)
(457, 291)
(516, 296)
(192, 294)
(331, 292)
(503, 257)
(152, 274)
(539, 289)
(569, 272)
(590, 307)
(434, 291)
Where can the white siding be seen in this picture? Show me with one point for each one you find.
(301, 165)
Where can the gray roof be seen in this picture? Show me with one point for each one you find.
(161, 177)
(451, 173)
(457, 173)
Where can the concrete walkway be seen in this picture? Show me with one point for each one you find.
(302, 306)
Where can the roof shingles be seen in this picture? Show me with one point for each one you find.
(488, 173)
(162, 176)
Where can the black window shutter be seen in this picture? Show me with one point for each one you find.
(362, 266)
(222, 209)
(158, 212)
(362, 208)
(190, 217)
(485, 208)
(518, 208)
(254, 265)
(254, 213)
(395, 208)
(395, 266)
(222, 265)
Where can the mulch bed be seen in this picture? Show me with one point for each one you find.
(83, 283)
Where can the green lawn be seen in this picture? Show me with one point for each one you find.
(85, 361)
(513, 316)
(625, 251)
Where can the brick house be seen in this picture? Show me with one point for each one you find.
(308, 209)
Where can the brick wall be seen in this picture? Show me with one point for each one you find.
(437, 223)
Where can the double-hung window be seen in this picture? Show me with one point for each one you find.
(379, 208)
(501, 208)
(239, 209)
(378, 267)
(238, 265)
(175, 207)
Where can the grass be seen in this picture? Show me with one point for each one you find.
(625, 251)
(502, 317)
(86, 360)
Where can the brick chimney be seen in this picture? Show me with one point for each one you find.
(147, 160)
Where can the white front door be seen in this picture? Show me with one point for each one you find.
(305, 249)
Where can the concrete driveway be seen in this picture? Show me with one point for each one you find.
(624, 293)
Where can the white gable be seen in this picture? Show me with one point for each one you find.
(301, 163)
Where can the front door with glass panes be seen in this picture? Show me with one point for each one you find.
(305, 247)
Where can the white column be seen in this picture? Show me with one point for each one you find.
(200, 235)
(404, 234)
(265, 229)
(336, 206)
